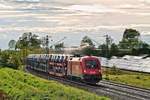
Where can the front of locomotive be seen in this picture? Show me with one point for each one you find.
(92, 71)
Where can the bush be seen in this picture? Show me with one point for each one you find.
(10, 58)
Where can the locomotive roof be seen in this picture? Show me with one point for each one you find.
(80, 58)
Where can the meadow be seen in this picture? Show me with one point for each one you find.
(127, 77)
(19, 85)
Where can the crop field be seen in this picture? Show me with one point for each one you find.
(127, 77)
(23, 86)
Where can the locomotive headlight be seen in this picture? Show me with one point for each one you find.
(84, 71)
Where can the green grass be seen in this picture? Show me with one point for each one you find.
(23, 86)
(127, 77)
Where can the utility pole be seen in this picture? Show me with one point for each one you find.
(47, 44)
(107, 46)
(108, 42)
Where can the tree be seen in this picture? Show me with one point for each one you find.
(28, 40)
(88, 45)
(131, 42)
(4, 57)
(86, 40)
(11, 44)
(104, 50)
(14, 60)
(144, 48)
(130, 34)
(10, 58)
(114, 50)
(89, 51)
(130, 39)
(34, 41)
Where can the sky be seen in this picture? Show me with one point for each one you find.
(73, 19)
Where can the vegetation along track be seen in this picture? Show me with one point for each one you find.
(106, 88)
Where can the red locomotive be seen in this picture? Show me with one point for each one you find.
(85, 68)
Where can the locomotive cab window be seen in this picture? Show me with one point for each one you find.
(91, 64)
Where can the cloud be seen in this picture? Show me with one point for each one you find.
(130, 6)
(17, 15)
(89, 8)
(143, 14)
(70, 28)
(140, 25)
(5, 6)
(145, 33)
(145, 1)
(29, 0)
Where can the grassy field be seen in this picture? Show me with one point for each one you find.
(23, 86)
(127, 77)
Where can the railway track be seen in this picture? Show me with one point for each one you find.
(142, 92)
(105, 88)
(133, 92)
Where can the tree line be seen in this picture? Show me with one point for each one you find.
(30, 43)
(129, 45)
(26, 44)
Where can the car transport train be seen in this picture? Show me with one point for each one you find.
(86, 68)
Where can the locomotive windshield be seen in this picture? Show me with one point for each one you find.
(91, 64)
